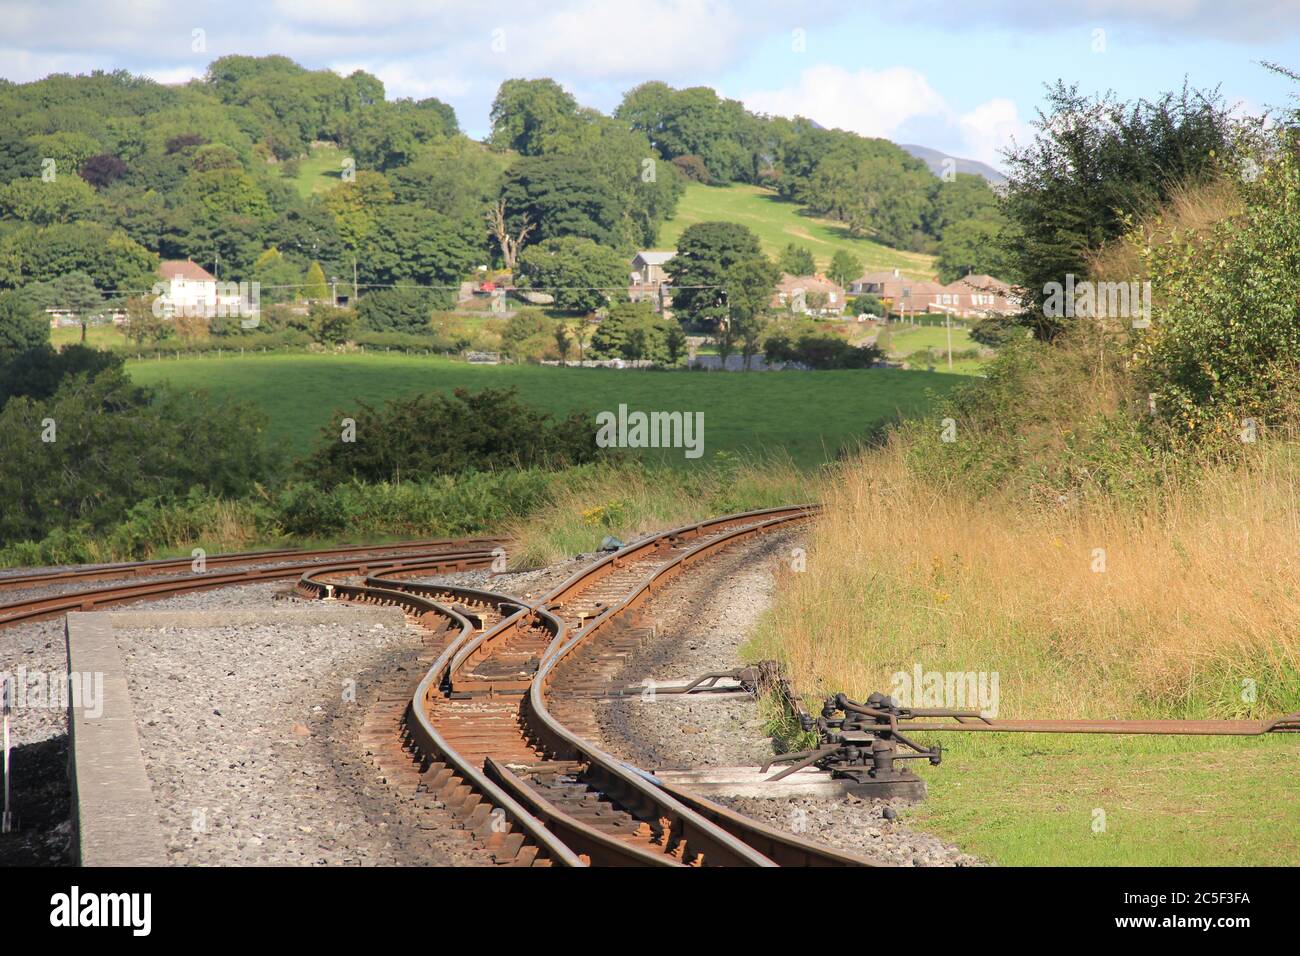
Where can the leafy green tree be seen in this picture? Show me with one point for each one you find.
(277, 278)
(36, 254)
(315, 289)
(66, 199)
(330, 325)
(356, 207)
(1094, 165)
(411, 244)
(797, 261)
(528, 114)
(563, 196)
(974, 246)
(706, 252)
(845, 268)
(581, 275)
(395, 310)
(23, 325)
(634, 332)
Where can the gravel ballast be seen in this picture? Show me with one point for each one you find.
(701, 621)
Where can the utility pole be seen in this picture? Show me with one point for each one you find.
(355, 293)
(948, 323)
(334, 291)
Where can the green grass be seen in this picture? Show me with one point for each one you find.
(907, 340)
(320, 171)
(778, 222)
(808, 415)
(104, 336)
(1032, 801)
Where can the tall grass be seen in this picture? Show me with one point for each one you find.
(1177, 605)
(628, 501)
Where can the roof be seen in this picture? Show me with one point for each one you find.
(185, 269)
(793, 283)
(654, 257)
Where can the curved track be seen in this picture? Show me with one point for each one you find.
(488, 726)
(452, 554)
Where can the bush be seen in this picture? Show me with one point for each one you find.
(84, 456)
(819, 350)
(424, 435)
(395, 310)
(1224, 343)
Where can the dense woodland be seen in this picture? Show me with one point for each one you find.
(103, 175)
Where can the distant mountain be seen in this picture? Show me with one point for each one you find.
(935, 160)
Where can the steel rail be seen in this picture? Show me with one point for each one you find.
(163, 565)
(33, 609)
(697, 826)
(685, 835)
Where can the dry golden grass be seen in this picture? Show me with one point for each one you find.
(1200, 590)
(1190, 210)
(630, 502)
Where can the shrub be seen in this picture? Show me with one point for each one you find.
(423, 435)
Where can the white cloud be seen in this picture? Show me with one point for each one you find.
(894, 104)
(990, 128)
(873, 103)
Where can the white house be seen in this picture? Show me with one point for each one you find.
(189, 289)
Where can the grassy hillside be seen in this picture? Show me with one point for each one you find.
(809, 415)
(320, 171)
(778, 222)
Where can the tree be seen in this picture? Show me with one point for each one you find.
(565, 196)
(142, 325)
(634, 332)
(796, 261)
(563, 341)
(66, 199)
(845, 268)
(411, 244)
(23, 325)
(395, 310)
(581, 275)
(1094, 165)
(315, 289)
(527, 115)
(76, 293)
(277, 278)
(706, 252)
(508, 242)
(331, 325)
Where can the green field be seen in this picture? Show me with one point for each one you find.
(778, 222)
(809, 415)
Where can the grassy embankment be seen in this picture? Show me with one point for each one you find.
(1097, 580)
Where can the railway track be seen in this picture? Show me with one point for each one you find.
(97, 572)
(445, 555)
(496, 727)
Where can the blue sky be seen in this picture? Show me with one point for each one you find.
(960, 77)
